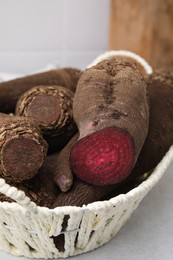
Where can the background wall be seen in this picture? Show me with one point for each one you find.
(65, 32)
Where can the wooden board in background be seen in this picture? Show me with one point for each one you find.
(145, 27)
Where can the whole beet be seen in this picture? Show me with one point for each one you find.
(11, 90)
(41, 189)
(160, 133)
(51, 107)
(22, 147)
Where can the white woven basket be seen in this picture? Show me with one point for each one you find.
(27, 229)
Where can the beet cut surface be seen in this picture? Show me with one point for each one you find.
(104, 157)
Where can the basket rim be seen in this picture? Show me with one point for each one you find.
(108, 54)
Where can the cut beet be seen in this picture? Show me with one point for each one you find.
(104, 157)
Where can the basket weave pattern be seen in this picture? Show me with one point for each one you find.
(26, 229)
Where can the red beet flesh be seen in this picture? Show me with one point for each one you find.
(104, 157)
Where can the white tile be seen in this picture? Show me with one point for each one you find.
(31, 25)
(86, 24)
(27, 62)
(79, 59)
(34, 33)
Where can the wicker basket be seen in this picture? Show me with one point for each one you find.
(27, 229)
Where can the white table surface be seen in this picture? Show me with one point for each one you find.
(148, 235)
